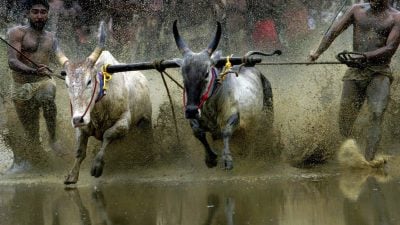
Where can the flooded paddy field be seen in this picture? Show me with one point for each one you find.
(281, 195)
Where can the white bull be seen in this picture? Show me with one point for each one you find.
(107, 117)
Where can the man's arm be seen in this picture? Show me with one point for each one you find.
(334, 32)
(392, 43)
(15, 36)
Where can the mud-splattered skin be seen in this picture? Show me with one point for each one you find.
(106, 117)
(376, 34)
(40, 46)
(220, 108)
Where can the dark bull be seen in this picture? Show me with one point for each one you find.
(220, 103)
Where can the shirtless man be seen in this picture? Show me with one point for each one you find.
(33, 86)
(376, 34)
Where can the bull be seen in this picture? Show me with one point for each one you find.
(220, 107)
(106, 117)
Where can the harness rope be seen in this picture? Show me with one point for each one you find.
(104, 78)
(161, 70)
(90, 102)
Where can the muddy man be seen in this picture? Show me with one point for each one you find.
(376, 34)
(33, 86)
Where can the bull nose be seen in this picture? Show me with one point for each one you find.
(191, 112)
(77, 120)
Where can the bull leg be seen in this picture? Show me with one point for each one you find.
(82, 140)
(119, 129)
(227, 132)
(199, 133)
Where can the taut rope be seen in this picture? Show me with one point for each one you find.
(161, 70)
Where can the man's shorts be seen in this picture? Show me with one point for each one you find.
(368, 73)
(24, 92)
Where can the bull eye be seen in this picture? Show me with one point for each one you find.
(89, 82)
(205, 75)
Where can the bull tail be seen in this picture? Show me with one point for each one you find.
(268, 102)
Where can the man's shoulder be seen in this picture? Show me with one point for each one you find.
(360, 6)
(50, 33)
(395, 13)
(16, 31)
(18, 28)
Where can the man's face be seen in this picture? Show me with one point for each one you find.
(38, 16)
(378, 4)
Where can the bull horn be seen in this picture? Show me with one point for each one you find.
(214, 44)
(100, 45)
(62, 59)
(183, 48)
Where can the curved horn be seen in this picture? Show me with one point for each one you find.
(100, 45)
(214, 44)
(178, 40)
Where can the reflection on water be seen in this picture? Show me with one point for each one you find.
(293, 200)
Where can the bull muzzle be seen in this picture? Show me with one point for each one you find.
(78, 121)
(192, 112)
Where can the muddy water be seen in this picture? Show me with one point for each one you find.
(166, 182)
(283, 195)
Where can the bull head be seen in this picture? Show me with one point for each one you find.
(82, 83)
(196, 71)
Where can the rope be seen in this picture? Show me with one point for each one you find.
(176, 82)
(336, 15)
(226, 70)
(161, 70)
(91, 100)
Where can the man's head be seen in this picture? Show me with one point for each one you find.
(378, 4)
(37, 13)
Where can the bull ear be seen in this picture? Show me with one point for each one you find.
(214, 43)
(183, 48)
(216, 55)
(178, 61)
(100, 44)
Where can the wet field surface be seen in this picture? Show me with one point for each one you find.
(278, 194)
(164, 185)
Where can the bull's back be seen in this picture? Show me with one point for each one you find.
(139, 95)
(127, 92)
(248, 92)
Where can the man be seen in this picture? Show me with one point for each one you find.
(33, 86)
(376, 34)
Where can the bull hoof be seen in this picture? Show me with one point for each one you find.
(97, 168)
(70, 179)
(211, 160)
(228, 162)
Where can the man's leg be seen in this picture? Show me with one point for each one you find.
(28, 114)
(350, 104)
(46, 96)
(377, 97)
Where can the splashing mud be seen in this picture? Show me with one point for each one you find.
(349, 155)
(306, 100)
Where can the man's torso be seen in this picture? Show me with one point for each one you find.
(371, 30)
(36, 46)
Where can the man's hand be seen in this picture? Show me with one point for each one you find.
(43, 70)
(353, 59)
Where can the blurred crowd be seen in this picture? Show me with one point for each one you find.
(247, 24)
